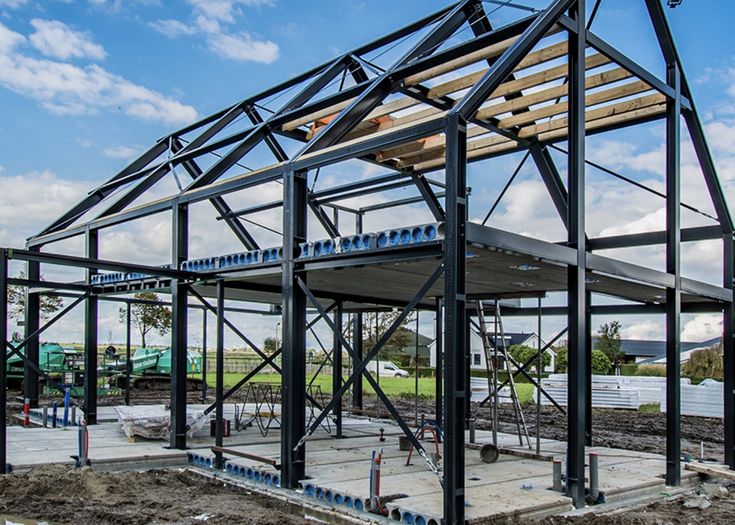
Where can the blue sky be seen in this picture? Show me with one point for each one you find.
(86, 84)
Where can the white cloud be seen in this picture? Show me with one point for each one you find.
(172, 28)
(225, 10)
(38, 197)
(122, 152)
(243, 46)
(58, 40)
(67, 89)
(211, 18)
(643, 330)
(12, 4)
(702, 327)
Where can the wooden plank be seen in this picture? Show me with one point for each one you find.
(718, 471)
(491, 51)
(405, 151)
(535, 58)
(552, 110)
(595, 119)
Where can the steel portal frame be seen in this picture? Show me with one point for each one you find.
(351, 134)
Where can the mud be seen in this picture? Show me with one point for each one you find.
(62, 495)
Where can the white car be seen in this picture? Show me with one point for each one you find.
(387, 369)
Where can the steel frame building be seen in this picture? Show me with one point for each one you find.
(400, 118)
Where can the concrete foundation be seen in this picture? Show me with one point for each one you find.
(518, 484)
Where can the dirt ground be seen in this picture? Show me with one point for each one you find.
(628, 429)
(63, 495)
(72, 496)
(694, 507)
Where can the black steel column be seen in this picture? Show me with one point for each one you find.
(179, 325)
(293, 375)
(439, 339)
(454, 320)
(32, 323)
(576, 296)
(728, 352)
(128, 363)
(467, 372)
(204, 354)
(220, 371)
(337, 368)
(358, 348)
(588, 386)
(3, 359)
(673, 266)
(90, 336)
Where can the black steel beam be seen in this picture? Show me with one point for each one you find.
(293, 375)
(95, 264)
(357, 344)
(588, 371)
(691, 116)
(398, 202)
(552, 180)
(631, 240)
(337, 368)
(223, 209)
(380, 87)
(576, 289)
(219, 372)
(439, 357)
(179, 328)
(32, 322)
(99, 194)
(90, 336)
(673, 267)
(504, 66)
(3, 360)
(454, 320)
(728, 350)
(429, 196)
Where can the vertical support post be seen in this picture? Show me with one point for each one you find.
(220, 372)
(588, 370)
(204, 354)
(539, 370)
(32, 323)
(576, 296)
(293, 375)
(467, 373)
(3, 358)
(337, 368)
(673, 266)
(90, 336)
(128, 363)
(728, 350)
(454, 320)
(438, 345)
(358, 348)
(179, 325)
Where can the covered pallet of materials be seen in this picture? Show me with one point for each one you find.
(705, 399)
(613, 391)
(154, 421)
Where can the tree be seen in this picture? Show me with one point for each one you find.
(49, 302)
(270, 345)
(600, 362)
(562, 358)
(704, 363)
(148, 316)
(401, 338)
(522, 353)
(609, 343)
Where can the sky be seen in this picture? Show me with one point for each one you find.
(85, 85)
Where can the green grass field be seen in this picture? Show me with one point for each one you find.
(392, 386)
